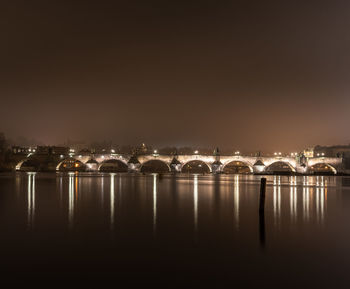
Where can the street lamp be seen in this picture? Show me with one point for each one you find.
(196, 152)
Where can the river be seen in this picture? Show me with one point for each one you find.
(171, 231)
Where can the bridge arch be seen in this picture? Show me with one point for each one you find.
(280, 167)
(28, 165)
(70, 164)
(155, 166)
(322, 168)
(113, 165)
(195, 167)
(237, 167)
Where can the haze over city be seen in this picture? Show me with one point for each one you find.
(254, 75)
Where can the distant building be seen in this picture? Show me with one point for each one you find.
(342, 151)
(18, 150)
(52, 150)
(333, 151)
(309, 153)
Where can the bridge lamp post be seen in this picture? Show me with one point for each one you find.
(155, 153)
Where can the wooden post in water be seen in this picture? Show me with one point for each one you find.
(262, 195)
(262, 212)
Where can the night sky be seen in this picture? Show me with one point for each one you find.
(251, 75)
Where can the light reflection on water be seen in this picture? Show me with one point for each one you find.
(208, 221)
(31, 200)
(154, 203)
(112, 200)
(312, 192)
(71, 200)
(236, 201)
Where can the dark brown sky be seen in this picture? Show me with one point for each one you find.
(269, 75)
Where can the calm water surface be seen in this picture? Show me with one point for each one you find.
(184, 231)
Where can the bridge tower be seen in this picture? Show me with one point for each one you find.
(175, 165)
(216, 166)
(134, 164)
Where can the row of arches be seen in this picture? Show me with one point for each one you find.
(158, 166)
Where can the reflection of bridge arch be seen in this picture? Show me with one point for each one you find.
(70, 164)
(280, 166)
(155, 166)
(195, 166)
(237, 166)
(322, 168)
(113, 165)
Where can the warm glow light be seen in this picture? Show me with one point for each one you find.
(196, 152)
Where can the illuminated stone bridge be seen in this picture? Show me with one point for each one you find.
(196, 164)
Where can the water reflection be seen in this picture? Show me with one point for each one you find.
(112, 200)
(195, 202)
(277, 199)
(31, 200)
(293, 199)
(154, 203)
(71, 200)
(320, 198)
(306, 203)
(236, 201)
